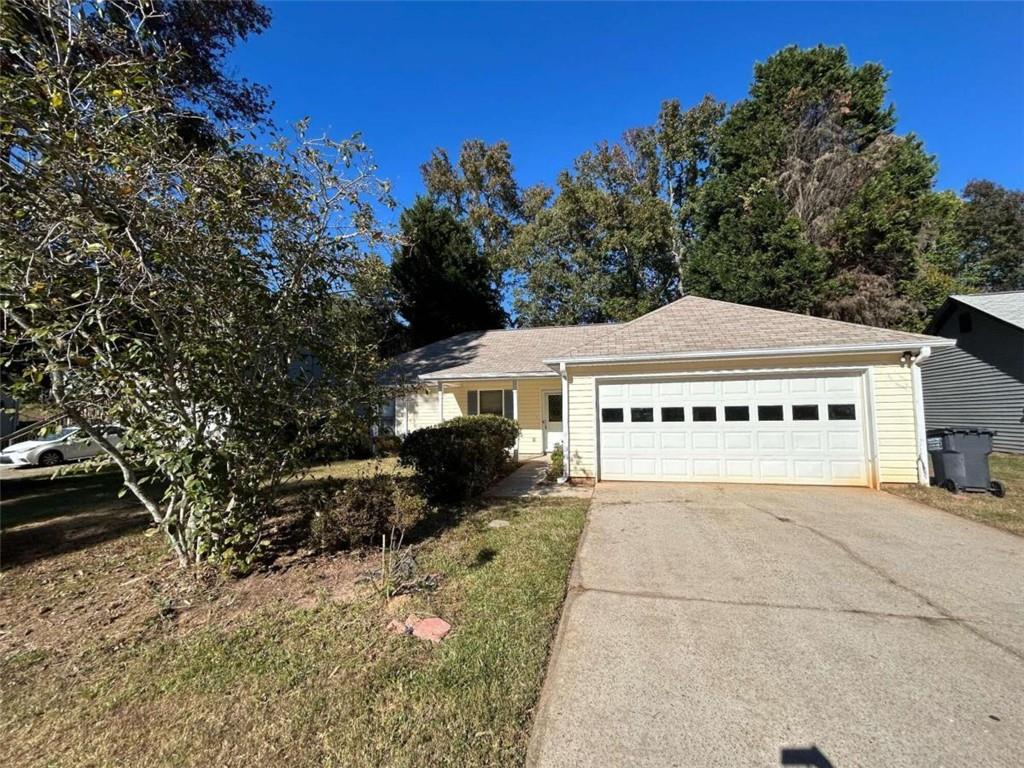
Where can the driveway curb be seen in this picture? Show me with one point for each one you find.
(573, 590)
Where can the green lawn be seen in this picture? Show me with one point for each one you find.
(1006, 513)
(320, 684)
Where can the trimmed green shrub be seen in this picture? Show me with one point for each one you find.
(459, 459)
(362, 510)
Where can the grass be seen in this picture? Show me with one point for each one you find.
(1006, 513)
(322, 684)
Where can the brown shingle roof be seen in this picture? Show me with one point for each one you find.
(693, 325)
(690, 326)
(515, 351)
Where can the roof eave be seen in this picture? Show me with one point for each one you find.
(441, 376)
(755, 353)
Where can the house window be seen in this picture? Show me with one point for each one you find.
(641, 414)
(805, 413)
(611, 415)
(769, 413)
(495, 402)
(492, 401)
(842, 412)
(673, 414)
(966, 322)
(737, 413)
(705, 413)
(555, 408)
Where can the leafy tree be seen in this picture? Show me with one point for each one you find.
(603, 249)
(686, 140)
(809, 163)
(991, 225)
(757, 255)
(443, 282)
(480, 189)
(218, 303)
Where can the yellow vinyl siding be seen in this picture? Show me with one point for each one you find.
(893, 396)
(416, 410)
(582, 432)
(530, 416)
(424, 411)
(894, 419)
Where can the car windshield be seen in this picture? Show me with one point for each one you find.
(61, 432)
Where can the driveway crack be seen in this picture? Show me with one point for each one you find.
(646, 595)
(888, 577)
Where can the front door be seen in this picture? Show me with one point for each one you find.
(552, 420)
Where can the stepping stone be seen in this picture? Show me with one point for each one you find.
(498, 524)
(432, 629)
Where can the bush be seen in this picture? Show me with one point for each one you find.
(362, 510)
(459, 459)
(557, 465)
(388, 445)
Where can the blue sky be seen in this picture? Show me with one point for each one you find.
(554, 79)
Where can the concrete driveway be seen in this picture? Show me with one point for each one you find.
(769, 625)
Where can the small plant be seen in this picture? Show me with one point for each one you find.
(364, 510)
(557, 465)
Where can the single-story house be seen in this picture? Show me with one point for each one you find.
(698, 390)
(980, 381)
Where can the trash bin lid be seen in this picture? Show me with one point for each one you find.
(939, 432)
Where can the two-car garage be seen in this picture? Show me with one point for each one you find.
(809, 429)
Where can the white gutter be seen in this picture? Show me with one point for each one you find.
(922, 435)
(565, 423)
(744, 353)
(429, 377)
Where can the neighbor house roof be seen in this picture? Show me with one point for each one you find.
(1007, 306)
(693, 326)
(687, 328)
(519, 351)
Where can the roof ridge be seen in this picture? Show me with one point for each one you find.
(830, 320)
(984, 293)
(547, 327)
(619, 327)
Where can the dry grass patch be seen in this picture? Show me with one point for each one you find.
(1006, 513)
(112, 657)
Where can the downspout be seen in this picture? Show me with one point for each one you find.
(565, 423)
(922, 436)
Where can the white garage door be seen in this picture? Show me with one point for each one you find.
(763, 430)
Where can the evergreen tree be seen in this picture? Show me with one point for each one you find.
(443, 283)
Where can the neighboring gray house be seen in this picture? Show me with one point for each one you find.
(980, 381)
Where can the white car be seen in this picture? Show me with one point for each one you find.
(67, 444)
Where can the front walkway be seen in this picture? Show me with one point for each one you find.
(711, 625)
(529, 481)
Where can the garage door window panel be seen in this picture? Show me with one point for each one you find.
(611, 415)
(737, 413)
(705, 413)
(842, 412)
(641, 415)
(673, 414)
(770, 413)
(805, 413)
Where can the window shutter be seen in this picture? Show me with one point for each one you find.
(507, 406)
(471, 402)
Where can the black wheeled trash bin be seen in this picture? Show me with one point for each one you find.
(960, 460)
